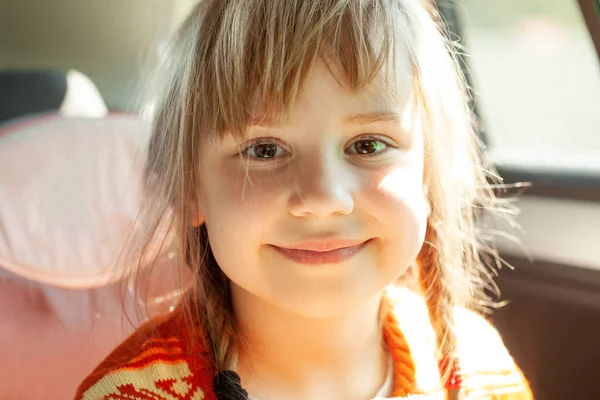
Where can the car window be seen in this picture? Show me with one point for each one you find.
(537, 80)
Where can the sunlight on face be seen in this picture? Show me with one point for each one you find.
(318, 214)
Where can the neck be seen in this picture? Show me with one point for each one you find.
(288, 356)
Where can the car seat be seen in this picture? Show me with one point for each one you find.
(70, 193)
(70, 93)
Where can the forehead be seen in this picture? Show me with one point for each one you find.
(327, 91)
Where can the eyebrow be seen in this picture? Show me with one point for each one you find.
(261, 120)
(267, 123)
(353, 119)
(373, 117)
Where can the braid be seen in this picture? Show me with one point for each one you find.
(212, 302)
(440, 304)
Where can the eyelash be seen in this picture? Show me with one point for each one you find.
(244, 152)
(388, 143)
(259, 141)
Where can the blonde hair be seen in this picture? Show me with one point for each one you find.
(230, 54)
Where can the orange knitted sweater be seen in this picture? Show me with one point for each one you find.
(163, 360)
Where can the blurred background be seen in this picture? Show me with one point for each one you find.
(533, 67)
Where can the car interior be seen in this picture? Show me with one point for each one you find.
(73, 87)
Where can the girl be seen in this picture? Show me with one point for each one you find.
(307, 154)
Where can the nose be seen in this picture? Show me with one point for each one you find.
(321, 188)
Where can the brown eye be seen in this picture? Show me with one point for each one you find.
(368, 146)
(264, 151)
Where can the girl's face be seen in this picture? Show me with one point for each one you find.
(320, 213)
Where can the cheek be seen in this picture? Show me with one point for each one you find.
(234, 194)
(403, 189)
(239, 210)
(397, 202)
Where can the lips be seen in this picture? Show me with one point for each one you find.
(322, 252)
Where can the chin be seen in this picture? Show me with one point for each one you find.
(325, 306)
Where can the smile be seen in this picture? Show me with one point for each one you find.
(312, 253)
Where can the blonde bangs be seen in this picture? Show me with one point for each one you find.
(256, 55)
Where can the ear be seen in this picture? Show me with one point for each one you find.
(427, 200)
(196, 214)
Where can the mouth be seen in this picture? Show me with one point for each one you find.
(314, 253)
